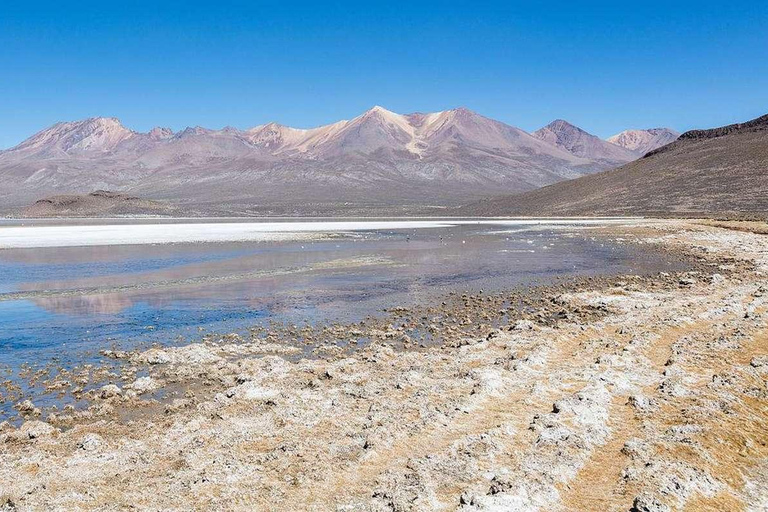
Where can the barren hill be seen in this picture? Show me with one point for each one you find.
(96, 204)
(719, 171)
(644, 141)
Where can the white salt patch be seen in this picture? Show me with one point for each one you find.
(132, 234)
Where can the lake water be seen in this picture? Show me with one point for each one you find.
(65, 303)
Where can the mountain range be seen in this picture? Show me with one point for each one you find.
(377, 160)
(716, 172)
(576, 141)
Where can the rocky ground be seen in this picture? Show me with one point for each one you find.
(100, 203)
(644, 394)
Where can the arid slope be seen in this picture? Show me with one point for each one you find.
(706, 172)
(96, 204)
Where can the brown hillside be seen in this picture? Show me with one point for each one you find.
(723, 171)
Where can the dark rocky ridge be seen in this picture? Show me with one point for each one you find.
(100, 203)
(759, 124)
(721, 172)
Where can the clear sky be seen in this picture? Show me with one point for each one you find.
(604, 66)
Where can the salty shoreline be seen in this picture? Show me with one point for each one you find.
(229, 230)
(622, 391)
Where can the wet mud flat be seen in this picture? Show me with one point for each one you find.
(631, 392)
(64, 307)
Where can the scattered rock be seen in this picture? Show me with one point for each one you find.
(35, 428)
(641, 403)
(90, 442)
(26, 407)
(644, 503)
(115, 354)
(635, 448)
(178, 404)
(144, 385)
(110, 391)
(500, 484)
(154, 356)
(716, 279)
(468, 498)
(7, 502)
(523, 325)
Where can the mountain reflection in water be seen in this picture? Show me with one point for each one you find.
(90, 297)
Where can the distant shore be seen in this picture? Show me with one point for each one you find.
(76, 232)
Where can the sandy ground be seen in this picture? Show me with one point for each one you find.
(12, 237)
(642, 394)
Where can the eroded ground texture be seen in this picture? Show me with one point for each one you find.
(646, 394)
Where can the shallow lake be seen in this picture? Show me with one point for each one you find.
(64, 303)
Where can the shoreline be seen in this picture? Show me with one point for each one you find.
(630, 391)
(103, 234)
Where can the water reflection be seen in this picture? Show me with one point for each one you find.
(97, 304)
(85, 297)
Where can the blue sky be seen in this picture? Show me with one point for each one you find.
(604, 66)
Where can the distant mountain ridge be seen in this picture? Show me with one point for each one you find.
(643, 141)
(755, 125)
(95, 134)
(578, 142)
(717, 172)
(377, 159)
